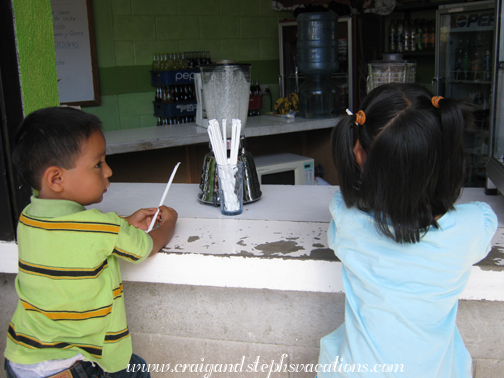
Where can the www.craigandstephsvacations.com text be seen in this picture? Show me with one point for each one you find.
(257, 366)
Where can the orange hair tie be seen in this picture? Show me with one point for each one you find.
(435, 101)
(360, 117)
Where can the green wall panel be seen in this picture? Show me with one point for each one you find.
(176, 27)
(37, 57)
(104, 32)
(122, 80)
(129, 32)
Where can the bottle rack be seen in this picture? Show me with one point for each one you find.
(179, 108)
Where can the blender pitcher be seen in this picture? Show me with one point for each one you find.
(226, 92)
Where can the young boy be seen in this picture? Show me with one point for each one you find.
(70, 316)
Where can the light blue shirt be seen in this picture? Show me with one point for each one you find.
(402, 299)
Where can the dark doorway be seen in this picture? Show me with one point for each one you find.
(14, 193)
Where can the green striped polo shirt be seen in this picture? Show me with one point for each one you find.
(69, 284)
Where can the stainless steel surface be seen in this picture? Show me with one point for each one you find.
(209, 184)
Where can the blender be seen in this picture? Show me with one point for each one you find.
(225, 94)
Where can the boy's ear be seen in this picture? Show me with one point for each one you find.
(52, 178)
(360, 154)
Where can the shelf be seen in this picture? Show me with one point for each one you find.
(451, 81)
(334, 75)
(477, 132)
(424, 5)
(418, 53)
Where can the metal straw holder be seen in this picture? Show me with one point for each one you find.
(209, 184)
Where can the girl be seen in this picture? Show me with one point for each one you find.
(406, 249)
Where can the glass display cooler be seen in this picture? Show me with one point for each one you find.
(465, 35)
(495, 167)
(290, 78)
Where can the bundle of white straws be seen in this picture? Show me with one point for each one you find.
(218, 141)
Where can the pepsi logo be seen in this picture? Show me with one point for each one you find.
(472, 20)
(186, 76)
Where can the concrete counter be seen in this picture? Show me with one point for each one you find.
(149, 138)
(278, 242)
(262, 286)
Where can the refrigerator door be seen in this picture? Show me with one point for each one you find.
(495, 168)
(498, 135)
(464, 68)
(290, 78)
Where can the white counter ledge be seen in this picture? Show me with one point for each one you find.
(279, 242)
(149, 138)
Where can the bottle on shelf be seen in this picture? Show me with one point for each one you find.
(186, 93)
(208, 59)
(176, 93)
(168, 94)
(413, 36)
(343, 54)
(257, 88)
(432, 35)
(419, 31)
(400, 36)
(488, 64)
(459, 55)
(407, 36)
(476, 65)
(392, 37)
(160, 65)
(189, 55)
(155, 62)
(466, 61)
(168, 61)
(425, 35)
(479, 65)
(180, 60)
(178, 120)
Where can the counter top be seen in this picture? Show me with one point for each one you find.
(149, 138)
(278, 242)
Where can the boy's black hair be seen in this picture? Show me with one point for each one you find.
(51, 137)
(416, 164)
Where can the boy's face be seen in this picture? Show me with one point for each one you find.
(88, 180)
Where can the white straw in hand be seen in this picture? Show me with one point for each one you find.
(163, 197)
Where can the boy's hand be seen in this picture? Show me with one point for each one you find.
(142, 218)
(167, 215)
(162, 234)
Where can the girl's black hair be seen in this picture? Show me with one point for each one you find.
(51, 137)
(415, 165)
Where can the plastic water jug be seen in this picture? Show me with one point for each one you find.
(317, 42)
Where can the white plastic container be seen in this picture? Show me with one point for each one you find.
(393, 71)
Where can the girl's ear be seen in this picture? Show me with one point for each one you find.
(52, 179)
(360, 154)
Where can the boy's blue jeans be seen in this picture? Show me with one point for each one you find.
(85, 369)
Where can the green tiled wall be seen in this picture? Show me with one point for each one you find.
(128, 32)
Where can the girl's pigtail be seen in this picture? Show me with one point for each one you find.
(347, 169)
(455, 115)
